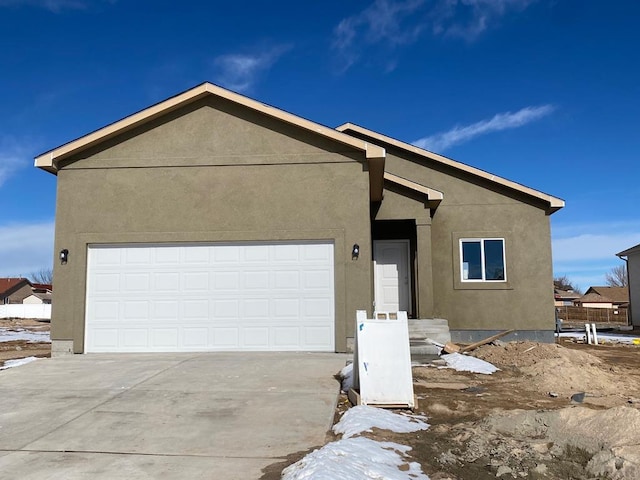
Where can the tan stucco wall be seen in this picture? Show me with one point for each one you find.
(20, 294)
(209, 175)
(469, 209)
(633, 267)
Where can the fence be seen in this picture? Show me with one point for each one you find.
(593, 315)
(23, 310)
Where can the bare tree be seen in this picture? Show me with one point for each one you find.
(563, 283)
(44, 275)
(617, 276)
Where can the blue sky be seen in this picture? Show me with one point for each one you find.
(545, 93)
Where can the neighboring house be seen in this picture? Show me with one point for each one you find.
(632, 257)
(14, 290)
(38, 298)
(211, 221)
(42, 293)
(604, 297)
(42, 287)
(565, 298)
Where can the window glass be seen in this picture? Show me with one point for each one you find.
(471, 261)
(482, 259)
(493, 260)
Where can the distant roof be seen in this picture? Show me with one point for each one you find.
(566, 294)
(42, 286)
(629, 251)
(554, 204)
(617, 295)
(42, 296)
(9, 284)
(593, 297)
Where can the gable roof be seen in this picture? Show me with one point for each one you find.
(433, 197)
(375, 155)
(593, 297)
(560, 294)
(616, 295)
(9, 285)
(553, 204)
(42, 286)
(629, 251)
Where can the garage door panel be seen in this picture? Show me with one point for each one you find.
(138, 256)
(226, 280)
(195, 282)
(255, 337)
(196, 337)
(286, 337)
(228, 337)
(107, 283)
(255, 280)
(136, 310)
(134, 338)
(196, 297)
(317, 336)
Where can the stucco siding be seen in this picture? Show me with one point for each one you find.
(20, 294)
(633, 266)
(213, 131)
(163, 195)
(470, 209)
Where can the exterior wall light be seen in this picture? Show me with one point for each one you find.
(64, 256)
(355, 252)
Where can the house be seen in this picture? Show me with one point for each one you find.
(632, 257)
(38, 298)
(211, 221)
(14, 290)
(564, 298)
(41, 294)
(604, 297)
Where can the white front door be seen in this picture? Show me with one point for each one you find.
(391, 275)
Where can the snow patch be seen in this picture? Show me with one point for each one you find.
(356, 459)
(363, 418)
(18, 362)
(24, 335)
(465, 363)
(603, 337)
(346, 377)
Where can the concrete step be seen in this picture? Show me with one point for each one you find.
(436, 329)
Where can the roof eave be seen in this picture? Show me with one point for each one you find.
(553, 203)
(628, 251)
(49, 160)
(433, 197)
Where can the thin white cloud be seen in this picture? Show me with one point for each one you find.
(586, 252)
(468, 19)
(13, 156)
(593, 246)
(389, 24)
(239, 71)
(384, 21)
(54, 5)
(27, 248)
(501, 121)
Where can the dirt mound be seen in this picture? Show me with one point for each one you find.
(550, 444)
(527, 354)
(554, 368)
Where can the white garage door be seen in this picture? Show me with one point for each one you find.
(210, 297)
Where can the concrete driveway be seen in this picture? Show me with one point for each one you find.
(169, 416)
